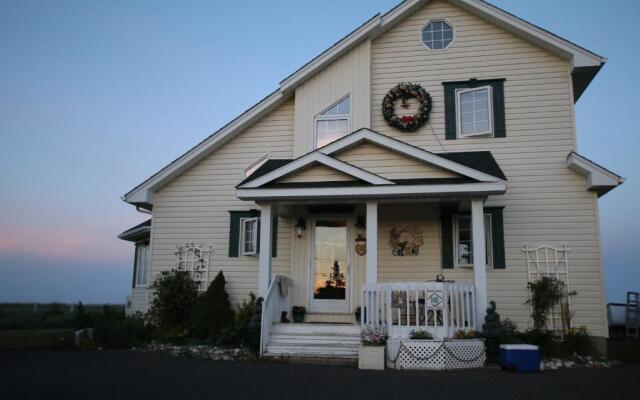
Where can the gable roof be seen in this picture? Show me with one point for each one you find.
(585, 64)
(479, 166)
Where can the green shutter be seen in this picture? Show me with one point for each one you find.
(446, 221)
(450, 112)
(274, 237)
(499, 124)
(135, 266)
(497, 85)
(234, 231)
(497, 236)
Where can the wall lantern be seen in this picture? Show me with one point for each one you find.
(301, 226)
(361, 241)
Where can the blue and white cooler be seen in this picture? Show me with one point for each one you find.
(520, 357)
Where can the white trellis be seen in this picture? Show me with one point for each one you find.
(551, 262)
(195, 260)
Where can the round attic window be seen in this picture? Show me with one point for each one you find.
(437, 35)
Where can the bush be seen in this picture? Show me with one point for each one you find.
(420, 335)
(244, 313)
(175, 295)
(213, 316)
(577, 341)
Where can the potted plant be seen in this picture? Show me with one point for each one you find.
(298, 312)
(358, 313)
(420, 335)
(372, 349)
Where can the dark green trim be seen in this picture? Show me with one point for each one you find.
(499, 124)
(135, 266)
(497, 236)
(234, 232)
(446, 222)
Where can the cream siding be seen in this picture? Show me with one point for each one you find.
(350, 74)
(389, 164)
(317, 173)
(546, 203)
(194, 208)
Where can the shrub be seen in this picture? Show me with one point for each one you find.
(244, 313)
(175, 295)
(213, 316)
(116, 330)
(420, 335)
(82, 318)
(492, 330)
(542, 338)
(576, 341)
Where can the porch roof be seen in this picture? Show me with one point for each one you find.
(466, 173)
(137, 233)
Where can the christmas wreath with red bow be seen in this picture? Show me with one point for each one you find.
(404, 91)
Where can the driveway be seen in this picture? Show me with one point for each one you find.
(128, 375)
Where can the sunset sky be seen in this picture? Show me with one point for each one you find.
(95, 96)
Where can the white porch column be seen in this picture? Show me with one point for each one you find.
(479, 260)
(267, 211)
(372, 241)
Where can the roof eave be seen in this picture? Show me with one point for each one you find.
(599, 179)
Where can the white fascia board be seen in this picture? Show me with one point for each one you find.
(408, 150)
(579, 56)
(320, 158)
(144, 192)
(387, 191)
(598, 177)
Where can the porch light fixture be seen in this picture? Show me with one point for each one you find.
(301, 226)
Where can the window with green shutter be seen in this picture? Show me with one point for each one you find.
(236, 232)
(474, 108)
(456, 238)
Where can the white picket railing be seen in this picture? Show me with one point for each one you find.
(440, 308)
(275, 302)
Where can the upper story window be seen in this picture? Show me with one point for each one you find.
(473, 111)
(437, 35)
(249, 236)
(333, 123)
(142, 266)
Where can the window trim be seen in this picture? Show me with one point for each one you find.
(424, 26)
(321, 117)
(254, 237)
(459, 92)
(142, 268)
(488, 233)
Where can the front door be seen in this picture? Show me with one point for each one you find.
(330, 265)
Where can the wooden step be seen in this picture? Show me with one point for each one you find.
(316, 328)
(308, 340)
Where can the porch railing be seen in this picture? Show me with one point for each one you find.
(440, 308)
(275, 302)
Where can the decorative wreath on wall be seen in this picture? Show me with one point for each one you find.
(404, 91)
(406, 239)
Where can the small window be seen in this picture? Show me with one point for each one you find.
(142, 266)
(463, 240)
(473, 112)
(333, 123)
(249, 236)
(437, 35)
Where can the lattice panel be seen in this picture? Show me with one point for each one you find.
(195, 260)
(441, 355)
(553, 262)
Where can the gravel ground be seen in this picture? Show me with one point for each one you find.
(128, 374)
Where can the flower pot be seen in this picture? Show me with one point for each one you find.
(298, 317)
(371, 357)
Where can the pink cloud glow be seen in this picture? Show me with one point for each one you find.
(63, 244)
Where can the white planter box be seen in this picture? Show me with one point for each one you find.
(437, 354)
(371, 357)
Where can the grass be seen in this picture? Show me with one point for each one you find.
(35, 339)
(15, 316)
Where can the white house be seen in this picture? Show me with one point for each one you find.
(436, 140)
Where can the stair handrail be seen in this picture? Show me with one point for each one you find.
(275, 302)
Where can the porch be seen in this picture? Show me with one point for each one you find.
(396, 290)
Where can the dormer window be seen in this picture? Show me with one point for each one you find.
(333, 123)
